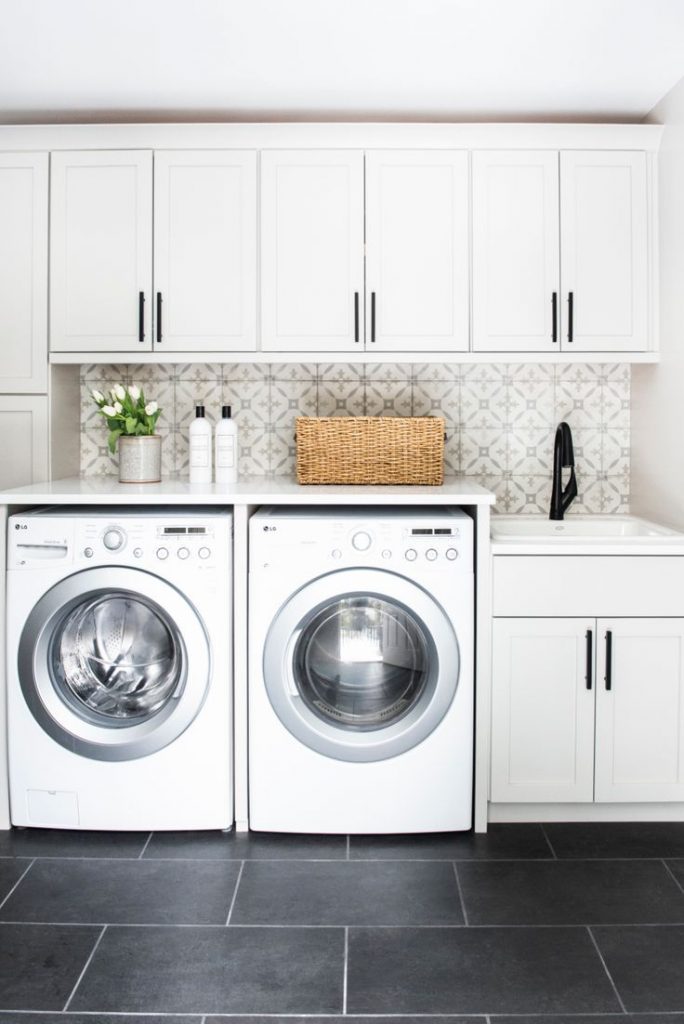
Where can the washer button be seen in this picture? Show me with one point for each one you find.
(336, 553)
(137, 552)
(162, 553)
(88, 552)
(204, 552)
(361, 541)
(451, 554)
(113, 539)
(183, 553)
(411, 554)
(387, 553)
(431, 554)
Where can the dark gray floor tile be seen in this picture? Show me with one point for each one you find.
(11, 870)
(476, 970)
(347, 892)
(98, 1018)
(245, 846)
(646, 964)
(215, 970)
(606, 1018)
(124, 892)
(617, 839)
(40, 966)
(55, 842)
(570, 892)
(442, 1019)
(499, 842)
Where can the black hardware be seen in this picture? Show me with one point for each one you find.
(554, 317)
(563, 458)
(609, 659)
(356, 316)
(590, 658)
(372, 316)
(571, 316)
(159, 318)
(141, 316)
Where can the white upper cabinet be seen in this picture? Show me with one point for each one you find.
(24, 429)
(205, 225)
(604, 251)
(23, 271)
(515, 251)
(101, 251)
(417, 250)
(312, 251)
(640, 710)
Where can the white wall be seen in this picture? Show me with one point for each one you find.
(658, 390)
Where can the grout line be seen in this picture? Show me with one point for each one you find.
(673, 876)
(235, 890)
(85, 968)
(21, 877)
(605, 968)
(460, 894)
(446, 859)
(147, 843)
(346, 970)
(548, 841)
(332, 926)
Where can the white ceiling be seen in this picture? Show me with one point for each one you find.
(337, 59)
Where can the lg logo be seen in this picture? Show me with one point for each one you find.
(20, 526)
(270, 529)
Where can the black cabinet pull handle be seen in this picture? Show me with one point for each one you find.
(159, 318)
(590, 658)
(571, 316)
(609, 659)
(356, 316)
(372, 316)
(554, 317)
(141, 316)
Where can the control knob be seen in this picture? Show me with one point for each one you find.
(361, 541)
(113, 538)
(411, 554)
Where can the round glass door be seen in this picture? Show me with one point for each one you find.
(103, 663)
(361, 664)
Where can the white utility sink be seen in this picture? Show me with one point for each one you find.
(624, 528)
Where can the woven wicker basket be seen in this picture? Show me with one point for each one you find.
(370, 450)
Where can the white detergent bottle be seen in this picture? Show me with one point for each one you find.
(200, 448)
(226, 448)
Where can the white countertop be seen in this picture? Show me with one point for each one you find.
(102, 490)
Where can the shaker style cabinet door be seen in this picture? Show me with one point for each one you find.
(640, 710)
(101, 251)
(205, 226)
(604, 251)
(312, 251)
(417, 251)
(24, 430)
(543, 710)
(515, 252)
(23, 271)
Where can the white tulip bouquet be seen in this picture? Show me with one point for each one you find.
(126, 412)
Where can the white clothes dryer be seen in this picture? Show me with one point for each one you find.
(119, 668)
(361, 670)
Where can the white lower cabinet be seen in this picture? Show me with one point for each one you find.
(24, 428)
(587, 709)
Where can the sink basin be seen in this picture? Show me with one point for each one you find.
(624, 528)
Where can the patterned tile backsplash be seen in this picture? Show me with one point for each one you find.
(501, 418)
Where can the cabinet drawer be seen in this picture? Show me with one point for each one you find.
(544, 585)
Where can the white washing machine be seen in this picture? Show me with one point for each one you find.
(119, 668)
(361, 670)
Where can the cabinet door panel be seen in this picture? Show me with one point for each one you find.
(100, 251)
(640, 719)
(515, 251)
(23, 271)
(417, 250)
(542, 711)
(205, 249)
(311, 250)
(24, 430)
(604, 251)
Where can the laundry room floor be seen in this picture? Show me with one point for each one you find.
(569, 921)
